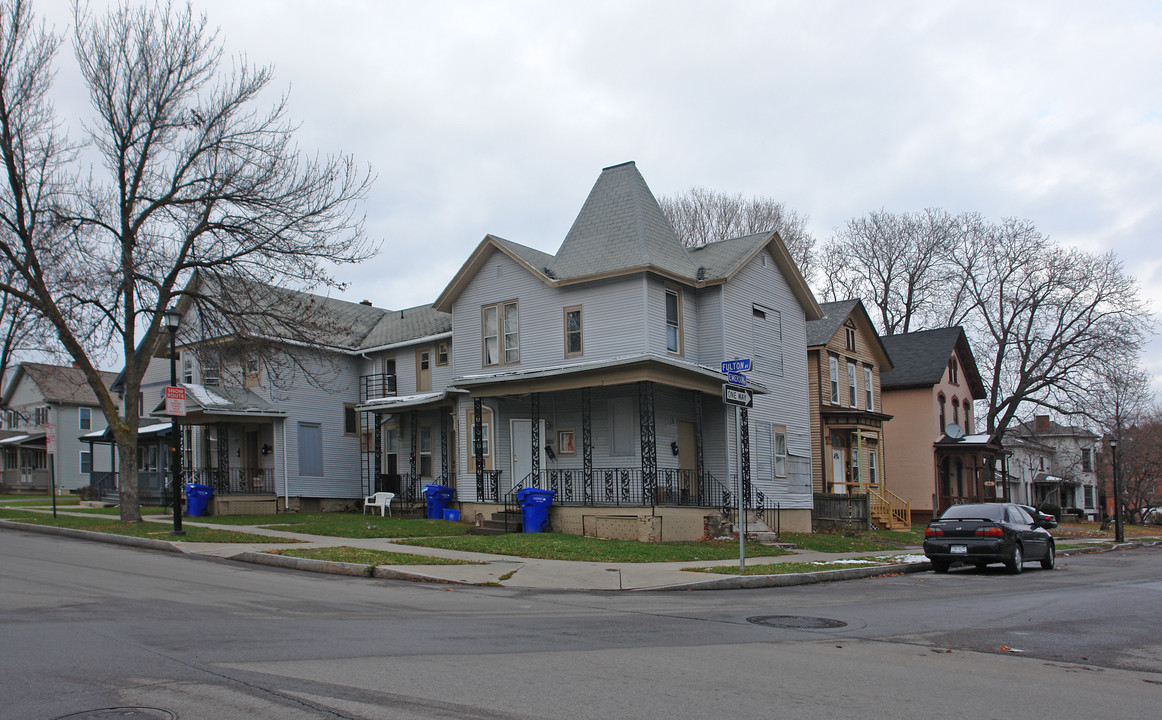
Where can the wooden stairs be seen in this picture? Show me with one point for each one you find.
(888, 511)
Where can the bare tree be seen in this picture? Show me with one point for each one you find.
(21, 332)
(1043, 319)
(898, 264)
(1139, 464)
(701, 216)
(196, 184)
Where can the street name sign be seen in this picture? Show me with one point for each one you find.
(175, 401)
(736, 395)
(736, 366)
(736, 379)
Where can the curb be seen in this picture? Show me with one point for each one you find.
(331, 567)
(107, 538)
(743, 582)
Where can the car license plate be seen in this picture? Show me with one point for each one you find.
(959, 549)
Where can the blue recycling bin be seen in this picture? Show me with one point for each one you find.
(534, 508)
(197, 498)
(437, 497)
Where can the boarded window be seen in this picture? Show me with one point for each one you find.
(310, 449)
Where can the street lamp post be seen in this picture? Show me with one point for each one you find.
(173, 318)
(1119, 534)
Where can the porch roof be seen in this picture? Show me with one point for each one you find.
(105, 436)
(403, 402)
(212, 405)
(614, 371)
(26, 440)
(1047, 479)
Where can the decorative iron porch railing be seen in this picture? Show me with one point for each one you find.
(233, 481)
(376, 386)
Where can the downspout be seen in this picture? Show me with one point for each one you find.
(285, 472)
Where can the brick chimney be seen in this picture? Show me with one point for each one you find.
(1041, 423)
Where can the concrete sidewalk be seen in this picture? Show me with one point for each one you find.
(503, 570)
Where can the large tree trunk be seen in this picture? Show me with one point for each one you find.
(127, 472)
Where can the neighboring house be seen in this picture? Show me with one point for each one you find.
(845, 359)
(594, 372)
(934, 456)
(1054, 463)
(40, 397)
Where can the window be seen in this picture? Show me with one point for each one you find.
(855, 478)
(1088, 496)
(501, 323)
(310, 449)
(187, 369)
(41, 415)
(425, 451)
(86, 461)
(943, 424)
(967, 418)
(834, 381)
(766, 340)
(956, 411)
(391, 450)
(872, 468)
(673, 322)
(869, 396)
(953, 372)
(779, 447)
(85, 419)
(350, 420)
(573, 344)
(250, 377)
(851, 390)
(443, 352)
(210, 371)
(1086, 460)
(849, 334)
(622, 435)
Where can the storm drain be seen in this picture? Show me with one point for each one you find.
(122, 713)
(796, 622)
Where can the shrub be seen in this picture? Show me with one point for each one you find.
(1050, 509)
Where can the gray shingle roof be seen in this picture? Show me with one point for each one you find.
(397, 326)
(621, 226)
(820, 332)
(921, 358)
(62, 384)
(717, 260)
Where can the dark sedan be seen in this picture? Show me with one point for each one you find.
(983, 533)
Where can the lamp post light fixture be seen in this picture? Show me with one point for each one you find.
(173, 319)
(1119, 533)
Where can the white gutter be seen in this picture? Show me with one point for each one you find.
(403, 343)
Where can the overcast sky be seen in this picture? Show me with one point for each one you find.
(498, 117)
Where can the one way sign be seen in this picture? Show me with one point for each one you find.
(735, 395)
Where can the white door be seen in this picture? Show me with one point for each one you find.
(522, 449)
(838, 471)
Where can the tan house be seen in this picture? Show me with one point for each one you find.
(935, 458)
(844, 360)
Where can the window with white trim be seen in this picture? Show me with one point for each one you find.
(834, 380)
(873, 472)
(851, 389)
(869, 395)
(85, 418)
(573, 337)
(86, 462)
(673, 322)
(779, 449)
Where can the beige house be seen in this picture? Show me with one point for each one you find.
(845, 359)
(935, 458)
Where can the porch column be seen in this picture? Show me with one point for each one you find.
(415, 417)
(744, 453)
(478, 445)
(223, 474)
(700, 458)
(648, 439)
(535, 413)
(586, 446)
(859, 454)
(443, 444)
(378, 439)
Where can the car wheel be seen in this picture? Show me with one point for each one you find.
(1050, 560)
(1016, 560)
(940, 566)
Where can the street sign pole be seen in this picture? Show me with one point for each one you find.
(738, 490)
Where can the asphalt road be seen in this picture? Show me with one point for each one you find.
(87, 626)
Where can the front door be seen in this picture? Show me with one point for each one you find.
(423, 369)
(838, 471)
(522, 449)
(687, 460)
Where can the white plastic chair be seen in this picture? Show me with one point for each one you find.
(381, 500)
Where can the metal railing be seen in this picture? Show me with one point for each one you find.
(376, 386)
(233, 481)
(626, 487)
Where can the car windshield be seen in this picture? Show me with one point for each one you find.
(984, 512)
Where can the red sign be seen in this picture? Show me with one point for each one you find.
(50, 438)
(175, 401)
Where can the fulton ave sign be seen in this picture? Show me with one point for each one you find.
(737, 395)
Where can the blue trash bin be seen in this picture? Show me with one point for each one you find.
(437, 497)
(197, 498)
(534, 508)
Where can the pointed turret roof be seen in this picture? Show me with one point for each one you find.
(621, 227)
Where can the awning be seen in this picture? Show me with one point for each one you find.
(403, 402)
(35, 439)
(106, 436)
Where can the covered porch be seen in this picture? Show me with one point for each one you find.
(26, 462)
(966, 471)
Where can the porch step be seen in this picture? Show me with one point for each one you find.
(496, 524)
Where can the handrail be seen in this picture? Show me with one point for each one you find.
(887, 504)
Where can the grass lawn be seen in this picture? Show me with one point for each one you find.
(837, 543)
(553, 546)
(46, 501)
(361, 556)
(797, 567)
(116, 511)
(156, 531)
(1093, 530)
(347, 525)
